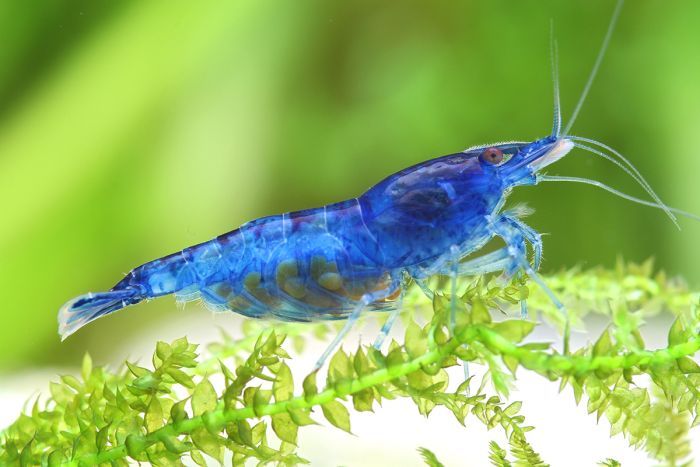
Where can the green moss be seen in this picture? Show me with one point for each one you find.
(138, 413)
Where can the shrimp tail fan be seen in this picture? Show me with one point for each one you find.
(81, 310)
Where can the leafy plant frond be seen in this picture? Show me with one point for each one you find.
(170, 410)
(498, 456)
(609, 463)
(430, 458)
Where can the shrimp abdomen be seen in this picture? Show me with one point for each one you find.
(302, 266)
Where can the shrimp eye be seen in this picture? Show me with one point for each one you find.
(493, 156)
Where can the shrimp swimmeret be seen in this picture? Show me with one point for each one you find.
(334, 262)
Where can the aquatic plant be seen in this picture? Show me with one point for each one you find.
(170, 410)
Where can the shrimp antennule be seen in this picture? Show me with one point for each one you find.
(596, 65)
(554, 58)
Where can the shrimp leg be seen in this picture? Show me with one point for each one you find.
(497, 260)
(389, 323)
(491, 262)
(531, 235)
(365, 301)
(514, 233)
(453, 300)
(424, 288)
(510, 258)
(384, 332)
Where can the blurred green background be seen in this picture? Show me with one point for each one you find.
(129, 130)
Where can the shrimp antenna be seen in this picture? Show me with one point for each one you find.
(596, 65)
(554, 59)
(634, 173)
(596, 183)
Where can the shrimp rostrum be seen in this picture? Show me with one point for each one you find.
(336, 261)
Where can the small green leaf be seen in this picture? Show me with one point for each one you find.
(513, 408)
(179, 345)
(361, 363)
(480, 313)
(511, 362)
(258, 432)
(603, 345)
(249, 395)
(147, 383)
(677, 334)
(60, 393)
(340, 366)
(208, 443)
(137, 370)
(174, 445)
(101, 437)
(464, 386)
(395, 357)
(203, 398)
(154, 415)
(285, 428)
(415, 340)
(198, 458)
(301, 417)
(515, 330)
(163, 350)
(337, 414)
(283, 387)
(638, 339)
(177, 411)
(181, 377)
(362, 400)
(25, 458)
(56, 458)
(245, 432)
(688, 365)
(72, 382)
(309, 385)
(261, 398)
(441, 303)
(228, 374)
(134, 445)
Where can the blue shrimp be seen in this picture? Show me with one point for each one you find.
(334, 262)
